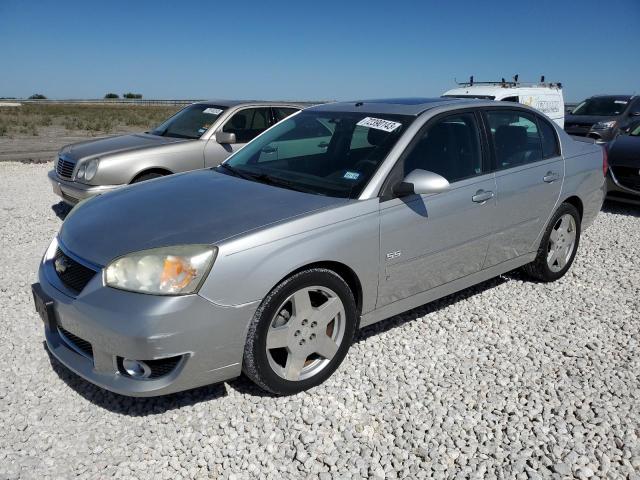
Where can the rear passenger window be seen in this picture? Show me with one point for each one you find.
(549, 141)
(516, 139)
(450, 147)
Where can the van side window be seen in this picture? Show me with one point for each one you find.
(516, 138)
(550, 146)
(450, 147)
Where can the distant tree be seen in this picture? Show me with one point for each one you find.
(37, 96)
(131, 95)
(112, 95)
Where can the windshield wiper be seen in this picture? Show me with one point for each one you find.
(235, 172)
(279, 182)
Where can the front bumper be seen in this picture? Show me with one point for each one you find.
(208, 338)
(618, 192)
(72, 192)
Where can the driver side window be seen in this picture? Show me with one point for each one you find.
(449, 147)
(247, 124)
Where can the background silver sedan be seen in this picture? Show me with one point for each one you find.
(269, 264)
(200, 135)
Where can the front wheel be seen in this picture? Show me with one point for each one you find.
(301, 332)
(558, 246)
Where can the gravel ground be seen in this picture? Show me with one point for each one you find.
(509, 379)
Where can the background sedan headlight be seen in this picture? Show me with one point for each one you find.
(91, 169)
(162, 271)
(604, 125)
(80, 173)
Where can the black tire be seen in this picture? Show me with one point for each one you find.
(147, 176)
(539, 269)
(255, 361)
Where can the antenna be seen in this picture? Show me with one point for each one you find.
(471, 80)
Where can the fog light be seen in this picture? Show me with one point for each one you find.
(136, 368)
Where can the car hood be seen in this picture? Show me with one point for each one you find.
(117, 144)
(625, 151)
(201, 207)
(586, 119)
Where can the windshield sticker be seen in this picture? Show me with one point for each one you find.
(351, 175)
(212, 111)
(202, 130)
(379, 124)
(623, 102)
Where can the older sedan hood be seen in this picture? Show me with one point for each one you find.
(119, 143)
(196, 207)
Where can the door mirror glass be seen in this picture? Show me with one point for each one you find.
(635, 114)
(421, 182)
(226, 138)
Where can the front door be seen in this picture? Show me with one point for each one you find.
(430, 240)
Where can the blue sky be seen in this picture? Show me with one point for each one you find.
(313, 50)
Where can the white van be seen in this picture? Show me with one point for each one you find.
(546, 97)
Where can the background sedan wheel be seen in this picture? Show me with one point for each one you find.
(558, 246)
(301, 332)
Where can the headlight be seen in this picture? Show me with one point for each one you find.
(80, 172)
(605, 125)
(91, 169)
(162, 271)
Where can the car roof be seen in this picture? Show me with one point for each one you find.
(235, 103)
(402, 106)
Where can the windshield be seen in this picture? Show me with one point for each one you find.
(325, 153)
(190, 122)
(602, 106)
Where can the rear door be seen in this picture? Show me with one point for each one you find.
(529, 172)
(430, 240)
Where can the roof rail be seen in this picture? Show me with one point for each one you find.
(510, 83)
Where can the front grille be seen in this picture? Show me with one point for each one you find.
(627, 177)
(69, 198)
(76, 343)
(73, 274)
(64, 167)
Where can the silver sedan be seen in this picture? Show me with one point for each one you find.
(335, 218)
(200, 135)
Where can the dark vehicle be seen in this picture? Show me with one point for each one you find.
(623, 181)
(603, 117)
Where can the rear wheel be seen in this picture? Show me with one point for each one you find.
(301, 332)
(558, 247)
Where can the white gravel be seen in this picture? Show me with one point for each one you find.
(510, 379)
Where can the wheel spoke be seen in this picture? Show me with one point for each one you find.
(553, 257)
(294, 366)
(554, 236)
(562, 257)
(327, 347)
(277, 337)
(565, 223)
(301, 303)
(327, 311)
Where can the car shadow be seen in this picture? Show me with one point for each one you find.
(61, 210)
(133, 406)
(619, 208)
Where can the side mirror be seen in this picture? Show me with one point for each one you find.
(635, 114)
(421, 182)
(226, 138)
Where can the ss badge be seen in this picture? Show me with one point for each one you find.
(392, 255)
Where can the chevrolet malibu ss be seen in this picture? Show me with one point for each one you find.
(337, 217)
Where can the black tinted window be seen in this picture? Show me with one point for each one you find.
(450, 147)
(516, 138)
(550, 146)
(280, 113)
(248, 124)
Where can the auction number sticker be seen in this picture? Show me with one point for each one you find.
(212, 111)
(379, 124)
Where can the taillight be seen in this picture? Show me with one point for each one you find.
(605, 161)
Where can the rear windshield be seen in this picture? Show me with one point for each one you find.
(602, 106)
(190, 122)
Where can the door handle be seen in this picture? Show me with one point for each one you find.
(482, 196)
(323, 144)
(551, 177)
(268, 149)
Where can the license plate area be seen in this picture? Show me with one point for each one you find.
(44, 305)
